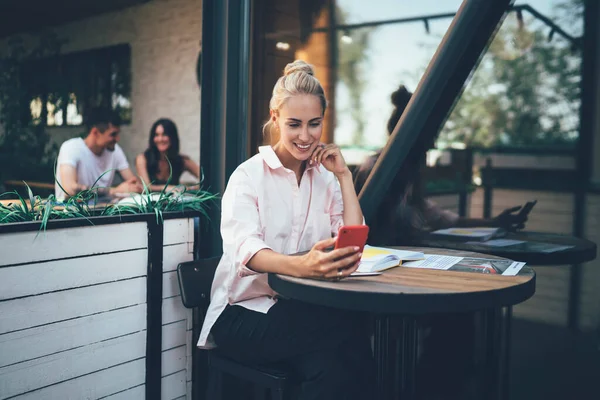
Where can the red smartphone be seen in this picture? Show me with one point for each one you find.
(352, 235)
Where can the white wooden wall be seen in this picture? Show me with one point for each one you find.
(73, 313)
(177, 343)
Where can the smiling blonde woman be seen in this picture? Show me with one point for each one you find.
(287, 199)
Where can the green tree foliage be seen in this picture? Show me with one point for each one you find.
(352, 52)
(525, 91)
(26, 151)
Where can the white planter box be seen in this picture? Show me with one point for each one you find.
(177, 343)
(73, 312)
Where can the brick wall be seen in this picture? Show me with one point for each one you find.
(165, 41)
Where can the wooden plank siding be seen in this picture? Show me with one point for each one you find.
(73, 312)
(590, 281)
(448, 201)
(27, 247)
(554, 212)
(177, 343)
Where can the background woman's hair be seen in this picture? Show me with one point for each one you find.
(400, 99)
(298, 78)
(153, 155)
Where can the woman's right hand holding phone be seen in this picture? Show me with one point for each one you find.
(336, 264)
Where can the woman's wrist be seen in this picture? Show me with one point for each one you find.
(344, 174)
(294, 265)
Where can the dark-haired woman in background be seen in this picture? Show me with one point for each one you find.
(405, 212)
(163, 148)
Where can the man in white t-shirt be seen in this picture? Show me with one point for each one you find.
(83, 163)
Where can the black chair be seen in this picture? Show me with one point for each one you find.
(195, 281)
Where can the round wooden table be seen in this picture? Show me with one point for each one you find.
(406, 293)
(582, 251)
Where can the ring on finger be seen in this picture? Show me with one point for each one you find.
(339, 274)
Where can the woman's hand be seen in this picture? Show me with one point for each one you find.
(335, 265)
(510, 220)
(330, 156)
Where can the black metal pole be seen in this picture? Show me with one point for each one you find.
(384, 384)
(487, 183)
(154, 291)
(238, 77)
(332, 39)
(467, 180)
(213, 109)
(472, 28)
(588, 106)
(224, 119)
(224, 102)
(507, 341)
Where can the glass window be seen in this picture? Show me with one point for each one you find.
(359, 11)
(525, 90)
(60, 88)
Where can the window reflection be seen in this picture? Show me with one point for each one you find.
(525, 91)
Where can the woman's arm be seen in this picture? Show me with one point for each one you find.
(243, 237)
(508, 219)
(331, 158)
(464, 222)
(190, 166)
(315, 264)
(142, 169)
(352, 212)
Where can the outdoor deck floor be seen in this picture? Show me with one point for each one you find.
(547, 363)
(550, 362)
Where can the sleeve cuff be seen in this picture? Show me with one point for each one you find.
(72, 163)
(246, 251)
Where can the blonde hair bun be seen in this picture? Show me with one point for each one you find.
(298, 79)
(299, 66)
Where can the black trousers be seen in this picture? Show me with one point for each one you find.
(328, 349)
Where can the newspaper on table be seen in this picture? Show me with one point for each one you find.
(523, 245)
(468, 264)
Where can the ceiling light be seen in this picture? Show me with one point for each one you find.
(282, 45)
(346, 38)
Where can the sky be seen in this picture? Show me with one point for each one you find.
(397, 54)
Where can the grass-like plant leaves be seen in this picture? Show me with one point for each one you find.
(85, 204)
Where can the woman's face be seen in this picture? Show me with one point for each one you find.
(300, 124)
(161, 140)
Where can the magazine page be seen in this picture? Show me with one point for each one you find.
(488, 266)
(468, 264)
(434, 261)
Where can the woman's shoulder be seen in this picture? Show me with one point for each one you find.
(253, 164)
(248, 168)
